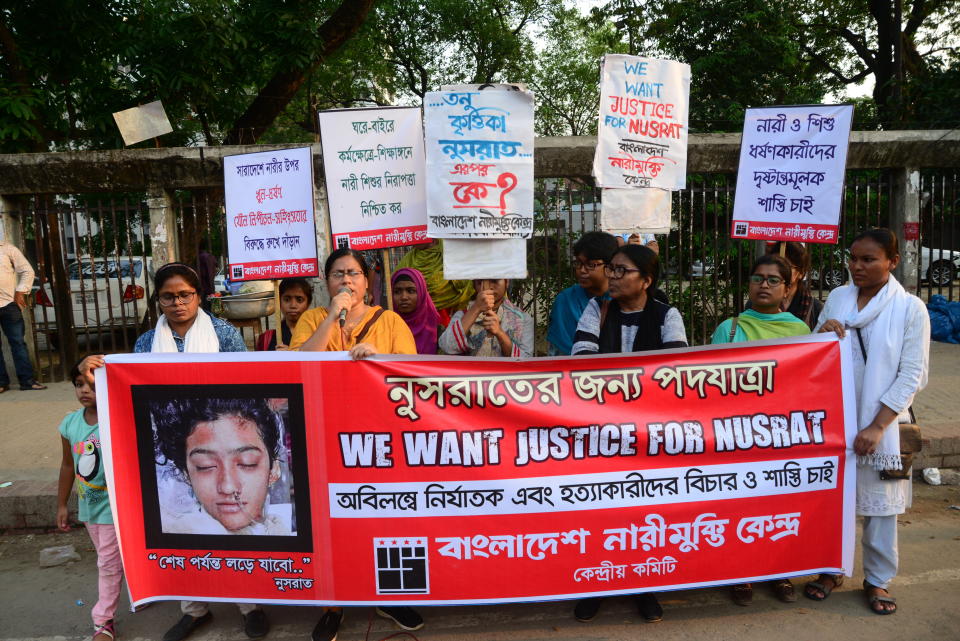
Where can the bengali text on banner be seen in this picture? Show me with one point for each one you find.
(308, 478)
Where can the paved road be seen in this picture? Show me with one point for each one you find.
(41, 603)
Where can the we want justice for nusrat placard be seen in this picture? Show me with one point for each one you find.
(462, 480)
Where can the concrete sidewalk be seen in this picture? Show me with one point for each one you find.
(30, 455)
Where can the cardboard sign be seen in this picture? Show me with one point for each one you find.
(792, 167)
(373, 165)
(642, 136)
(479, 163)
(271, 232)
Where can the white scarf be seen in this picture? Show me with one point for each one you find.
(200, 338)
(886, 314)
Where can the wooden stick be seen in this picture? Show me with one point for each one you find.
(385, 257)
(783, 249)
(277, 315)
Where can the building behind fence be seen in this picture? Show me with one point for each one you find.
(96, 224)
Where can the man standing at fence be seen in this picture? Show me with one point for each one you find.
(16, 279)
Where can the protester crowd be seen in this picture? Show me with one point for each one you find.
(614, 307)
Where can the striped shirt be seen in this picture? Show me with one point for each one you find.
(587, 338)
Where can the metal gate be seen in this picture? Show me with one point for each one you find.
(94, 265)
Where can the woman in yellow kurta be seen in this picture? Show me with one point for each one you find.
(367, 329)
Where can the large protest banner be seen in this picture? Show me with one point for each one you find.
(479, 163)
(285, 477)
(642, 135)
(373, 165)
(270, 226)
(792, 167)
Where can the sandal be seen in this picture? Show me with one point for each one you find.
(820, 586)
(104, 631)
(743, 594)
(876, 599)
(783, 590)
(32, 386)
(4, 388)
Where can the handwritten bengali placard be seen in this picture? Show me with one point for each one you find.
(479, 163)
(790, 180)
(374, 167)
(269, 207)
(642, 136)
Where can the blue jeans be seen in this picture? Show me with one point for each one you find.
(11, 322)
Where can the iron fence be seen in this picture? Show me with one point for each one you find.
(94, 265)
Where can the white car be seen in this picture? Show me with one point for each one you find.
(937, 266)
(105, 293)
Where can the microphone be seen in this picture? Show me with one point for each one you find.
(343, 312)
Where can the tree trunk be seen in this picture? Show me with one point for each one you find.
(274, 96)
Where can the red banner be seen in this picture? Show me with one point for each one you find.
(303, 478)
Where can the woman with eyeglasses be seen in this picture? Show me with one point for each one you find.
(590, 253)
(632, 321)
(770, 280)
(366, 329)
(184, 327)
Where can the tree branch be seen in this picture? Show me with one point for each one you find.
(277, 93)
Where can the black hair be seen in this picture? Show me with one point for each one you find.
(75, 371)
(302, 283)
(168, 271)
(796, 254)
(175, 420)
(596, 245)
(779, 261)
(404, 277)
(340, 253)
(883, 237)
(645, 259)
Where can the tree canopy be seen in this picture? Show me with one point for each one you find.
(258, 70)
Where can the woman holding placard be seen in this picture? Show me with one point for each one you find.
(633, 320)
(891, 349)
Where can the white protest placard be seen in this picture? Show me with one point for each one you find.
(479, 163)
(628, 211)
(469, 259)
(790, 179)
(642, 135)
(373, 164)
(270, 227)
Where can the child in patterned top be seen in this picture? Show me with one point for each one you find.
(83, 464)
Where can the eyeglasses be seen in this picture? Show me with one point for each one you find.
(166, 300)
(579, 265)
(618, 271)
(773, 281)
(352, 273)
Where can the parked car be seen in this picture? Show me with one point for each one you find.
(106, 293)
(937, 266)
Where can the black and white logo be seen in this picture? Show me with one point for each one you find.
(741, 230)
(236, 272)
(401, 565)
(343, 242)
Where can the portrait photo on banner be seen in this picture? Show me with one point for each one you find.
(223, 467)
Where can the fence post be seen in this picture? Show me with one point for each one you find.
(163, 226)
(905, 223)
(11, 231)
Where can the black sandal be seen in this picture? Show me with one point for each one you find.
(872, 601)
(836, 579)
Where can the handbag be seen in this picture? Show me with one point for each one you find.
(911, 441)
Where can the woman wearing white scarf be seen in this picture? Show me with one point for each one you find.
(890, 330)
(184, 327)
